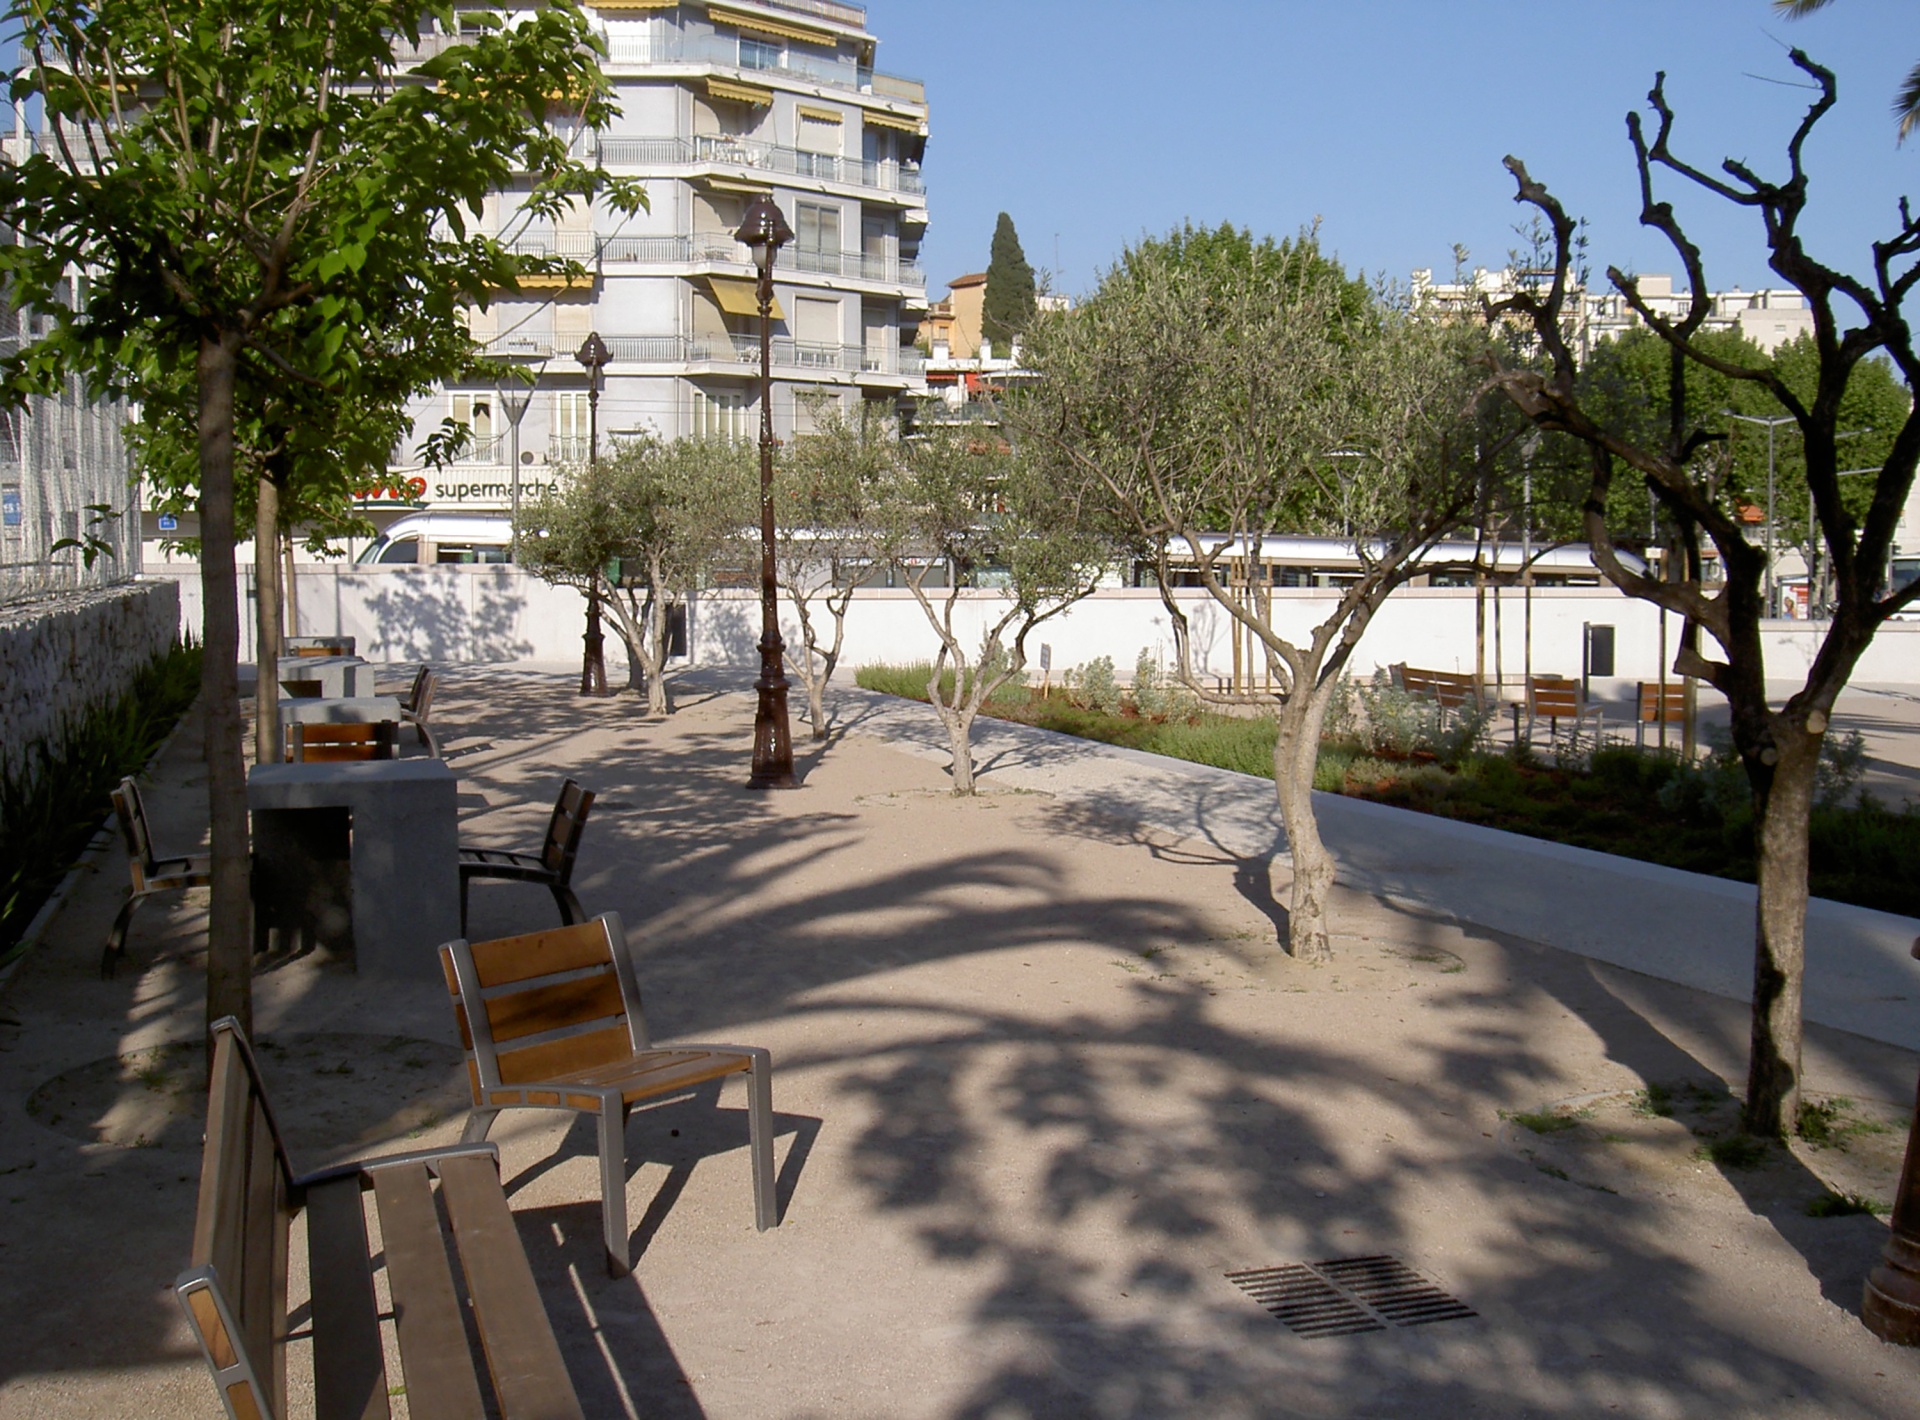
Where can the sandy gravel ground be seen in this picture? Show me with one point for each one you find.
(1042, 1081)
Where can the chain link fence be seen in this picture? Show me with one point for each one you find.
(69, 516)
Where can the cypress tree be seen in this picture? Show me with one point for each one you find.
(1009, 302)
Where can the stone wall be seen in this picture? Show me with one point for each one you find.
(63, 654)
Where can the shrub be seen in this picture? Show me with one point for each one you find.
(1096, 688)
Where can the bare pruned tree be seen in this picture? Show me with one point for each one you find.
(1854, 320)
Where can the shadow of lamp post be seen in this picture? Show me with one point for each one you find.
(764, 231)
(593, 354)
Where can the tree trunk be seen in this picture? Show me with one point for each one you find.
(229, 930)
(290, 586)
(266, 623)
(959, 725)
(1296, 753)
(1780, 937)
(646, 655)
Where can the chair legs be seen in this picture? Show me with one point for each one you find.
(117, 938)
(478, 1123)
(613, 1184)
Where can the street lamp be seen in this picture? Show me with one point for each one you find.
(593, 354)
(764, 231)
(1770, 420)
(515, 398)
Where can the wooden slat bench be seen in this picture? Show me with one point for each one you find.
(1451, 690)
(235, 1292)
(1555, 698)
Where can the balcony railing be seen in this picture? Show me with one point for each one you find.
(752, 154)
(758, 57)
(744, 350)
(567, 448)
(720, 246)
(578, 245)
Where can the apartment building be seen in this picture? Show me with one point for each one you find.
(718, 102)
(1769, 318)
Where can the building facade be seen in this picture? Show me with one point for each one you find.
(718, 103)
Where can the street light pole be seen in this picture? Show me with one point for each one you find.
(594, 355)
(1770, 420)
(515, 399)
(764, 231)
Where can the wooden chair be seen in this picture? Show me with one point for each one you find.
(234, 1291)
(416, 704)
(552, 1020)
(1659, 705)
(318, 645)
(322, 743)
(1556, 698)
(150, 872)
(551, 867)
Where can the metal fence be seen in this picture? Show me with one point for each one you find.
(64, 477)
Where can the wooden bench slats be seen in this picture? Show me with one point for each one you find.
(264, 1274)
(557, 1058)
(349, 1364)
(509, 959)
(433, 1335)
(529, 1375)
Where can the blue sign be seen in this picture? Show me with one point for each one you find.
(10, 507)
(169, 523)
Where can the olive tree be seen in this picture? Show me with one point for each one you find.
(1214, 391)
(1856, 320)
(644, 526)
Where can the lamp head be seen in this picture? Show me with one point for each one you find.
(763, 230)
(593, 352)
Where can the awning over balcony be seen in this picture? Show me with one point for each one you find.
(743, 187)
(818, 115)
(899, 122)
(739, 93)
(615, 6)
(774, 29)
(739, 297)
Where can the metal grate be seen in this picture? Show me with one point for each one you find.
(1347, 1296)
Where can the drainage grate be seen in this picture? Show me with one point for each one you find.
(1349, 1295)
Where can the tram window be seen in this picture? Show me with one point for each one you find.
(405, 549)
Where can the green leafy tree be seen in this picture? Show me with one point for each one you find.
(829, 489)
(1215, 391)
(1010, 300)
(223, 170)
(963, 513)
(1906, 103)
(645, 527)
(1856, 322)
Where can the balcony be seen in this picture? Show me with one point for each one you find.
(567, 448)
(751, 155)
(721, 247)
(858, 265)
(751, 56)
(743, 351)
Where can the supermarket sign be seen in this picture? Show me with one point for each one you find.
(429, 490)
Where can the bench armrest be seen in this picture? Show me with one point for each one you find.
(412, 1158)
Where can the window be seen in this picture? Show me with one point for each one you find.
(720, 414)
(816, 244)
(571, 427)
(475, 411)
(816, 331)
(759, 53)
(572, 320)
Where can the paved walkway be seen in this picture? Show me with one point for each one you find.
(1042, 1081)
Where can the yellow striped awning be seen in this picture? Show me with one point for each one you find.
(617, 5)
(739, 93)
(822, 115)
(742, 187)
(776, 29)
(877, 119)
(740, 297)
(550, 280)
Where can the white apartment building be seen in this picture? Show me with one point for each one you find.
(718, 102)
(1769, 318)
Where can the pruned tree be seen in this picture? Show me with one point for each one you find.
(966, 516)
(1779, 744)
(222, 169)
(644, 526)
(832, 537)
(1215, 391)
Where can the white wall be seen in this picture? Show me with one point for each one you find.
(501, 613)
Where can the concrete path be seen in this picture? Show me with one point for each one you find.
(1042, 1082)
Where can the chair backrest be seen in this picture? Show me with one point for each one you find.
(324, 743)
(569, 821)
(546, 1003)
(419, 698)
(319, 645)
(131, 814)
(235, 1289)
(1553, 696)
(1658, 703)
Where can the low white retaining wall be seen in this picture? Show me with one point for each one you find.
(64, 654)
(501, 613)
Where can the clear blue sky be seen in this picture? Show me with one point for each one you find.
(1094, 123)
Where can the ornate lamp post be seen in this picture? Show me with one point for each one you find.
(594, 355)
(764, 232)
